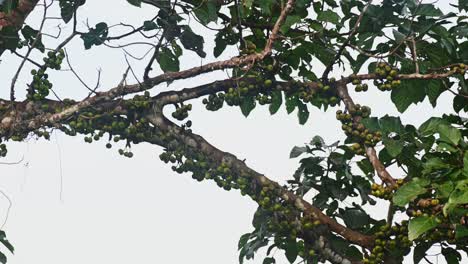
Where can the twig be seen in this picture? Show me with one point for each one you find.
(414, 54)
(346, 42)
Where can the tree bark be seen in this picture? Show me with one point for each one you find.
(16, 17)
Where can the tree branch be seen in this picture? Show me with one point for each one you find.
(370, 151)
(199, 143)
(15, 18)
(346, 42)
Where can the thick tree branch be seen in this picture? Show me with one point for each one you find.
(15, 18)
(370, 151)
(197, 142)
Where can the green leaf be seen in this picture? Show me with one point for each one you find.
(420, 252)
(419, 225)
(355, 218)
(95, 36)
(149, 25)
(135, 2)
(68, 8)
(207, 12)
(461, 231)
(317, 141)
(451, 255)
(465, 163)
(457, 197)
(434, 164)
(297, 151)
(243, 240)
(8, 5)
(399, 37)
(444, 190)
(9, 38)
(167, 60)
(449, 134)
(32, 36)
(366, 166)
(266, 5)
(391, 124)
(247, 105)
(303, 113)
(462, 5)
(289, 22)
(434, 89)
(291, 103)
(5, 242)
(3, 258)
(394, 147)
(291, 251)
(192, 41)
(409, 191)
(409, 92)
(276, 101)
(428, 10)
(431, 126)
(329, 16)
(269, 260)
(460, 103)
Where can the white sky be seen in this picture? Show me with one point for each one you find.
(118, 210)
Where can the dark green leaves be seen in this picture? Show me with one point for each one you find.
(328, 16)
(266, 5)
(420, 252)
(247, 105)
(149, 25)
(420, 225)
(168, 60)
(451, 255)
(431, 126)
(462, 5)
(428, 10)
(135, 2)
(409, 92)
(8, 5)
(410, 191)
(276, 101)
(207, 12)
(303, 113)
(192, 41)
(9, 38)
(3, 258)
(291, 251)
(68, 8)
(7, 244)
(32, 36)
(95, 36)
(297, 151)
(449, 134)
(290, 21)
(355, 218)
(458, 196)
(414, 91)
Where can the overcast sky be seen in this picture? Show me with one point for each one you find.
(75, 203)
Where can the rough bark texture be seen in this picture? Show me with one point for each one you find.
(16, 17)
